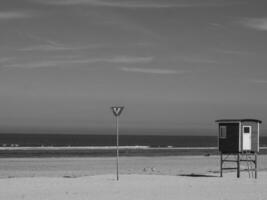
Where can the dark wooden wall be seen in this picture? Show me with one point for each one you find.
(231, 142)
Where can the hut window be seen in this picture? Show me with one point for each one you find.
(223, 131)
(247, 129)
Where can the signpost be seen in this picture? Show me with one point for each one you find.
(117, 110)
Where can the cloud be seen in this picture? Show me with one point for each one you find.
(6, 59)
(259, 81)
(6, 15)
(39, 39)
(153, 70)
(48, 47)
(138, 4)
(48, 44)
(233, 52)
(255, 23)
(63, 47)
(194, 59)
(75, 62)
(129, 59)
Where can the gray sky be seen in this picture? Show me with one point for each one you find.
(176, 65)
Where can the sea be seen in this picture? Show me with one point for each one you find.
(20, 145)
(60, 140)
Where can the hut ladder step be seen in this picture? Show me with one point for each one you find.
(249, 165)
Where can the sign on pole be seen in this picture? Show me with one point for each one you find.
(117, 110)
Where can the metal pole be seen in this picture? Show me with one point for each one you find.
(117, 127)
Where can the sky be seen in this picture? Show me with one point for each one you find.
(176, 65)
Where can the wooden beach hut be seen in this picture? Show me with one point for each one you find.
(239, 137)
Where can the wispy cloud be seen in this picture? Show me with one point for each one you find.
(49, 47)
(255, 23)
(259, 81)
(129, 59)
(7, 15)
(6, 59)
(194, 59)
(153, 70)
(47, 44)
(48, 63)
(69, 47)
(232, 51)
(40, 39)
(77, 61)
(139, 4)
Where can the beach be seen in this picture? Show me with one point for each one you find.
(133, 100)
(168, 177)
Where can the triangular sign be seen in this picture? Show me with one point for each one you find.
(117, 110)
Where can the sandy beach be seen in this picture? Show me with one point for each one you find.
(173, 177)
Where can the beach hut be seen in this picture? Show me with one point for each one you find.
(239, 137)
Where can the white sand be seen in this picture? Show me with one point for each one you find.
(75, 167)
(149, 187)
(36, 178)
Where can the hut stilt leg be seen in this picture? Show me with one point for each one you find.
(221, 164)
(256, 166)
(238, 165)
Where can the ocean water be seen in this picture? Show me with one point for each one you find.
(65, 145)
(60, 140)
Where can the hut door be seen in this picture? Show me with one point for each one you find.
(246, 138)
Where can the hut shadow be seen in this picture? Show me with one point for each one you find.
(198, 175)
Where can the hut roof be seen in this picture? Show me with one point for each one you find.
(237, 120)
